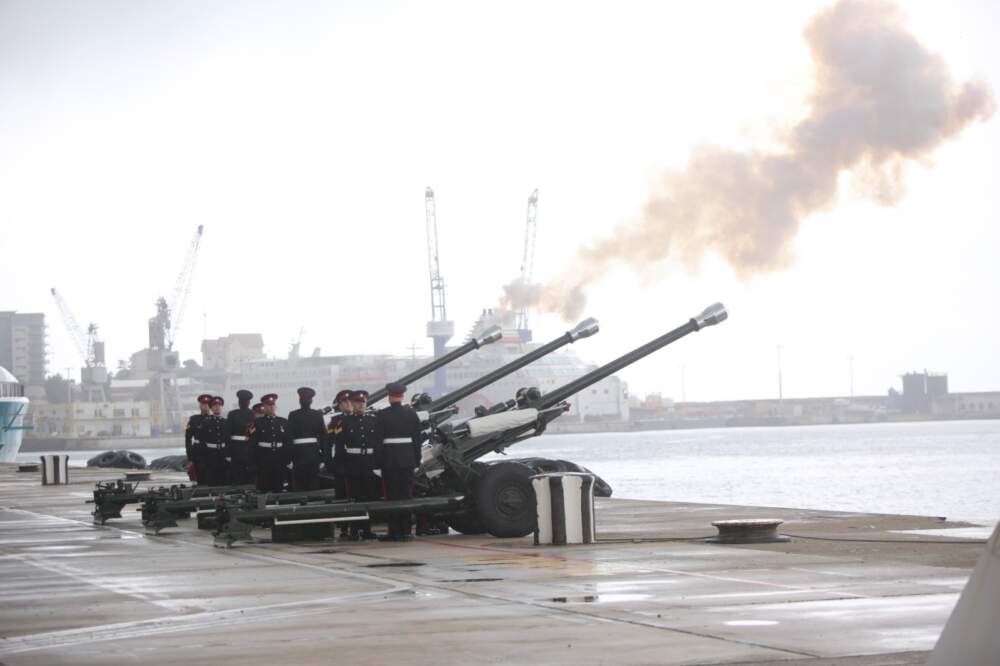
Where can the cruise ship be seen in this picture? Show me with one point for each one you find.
(13, 409)
(605, 401)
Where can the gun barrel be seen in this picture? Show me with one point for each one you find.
(489, 336)
(584, 329)
(710, 316)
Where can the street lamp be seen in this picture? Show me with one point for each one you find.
(780, 393)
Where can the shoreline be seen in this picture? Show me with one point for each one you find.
(47, 444)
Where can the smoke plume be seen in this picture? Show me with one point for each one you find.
(880, 99)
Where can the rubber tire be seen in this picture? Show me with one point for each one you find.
(506, 500)
(134, 460)
(466, 523)
(103, 459)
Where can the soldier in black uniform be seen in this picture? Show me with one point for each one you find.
(212, 435)
(355, 447)
(334, 432)
(189, 439)
(269, 443)
(342, 405)
(398, 456)
(307, 431)
(237, 448)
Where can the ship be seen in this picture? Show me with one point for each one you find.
(13, 409)
(606, 401)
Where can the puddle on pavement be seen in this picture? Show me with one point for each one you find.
(469, 580)
(599, 598)
(395, 564)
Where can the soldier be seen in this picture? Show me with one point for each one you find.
(237, 450)
(269, 444)
(342, 405)
(398, 456)
(212, 435)
(189, 439)
(355, 447)
(308, 434)
(335, 464)
(258, 410)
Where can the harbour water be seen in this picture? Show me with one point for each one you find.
(938, 468)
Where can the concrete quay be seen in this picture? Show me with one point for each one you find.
(847, 589)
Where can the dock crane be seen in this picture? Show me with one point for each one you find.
(182, 287)
(163, 331)
(94, 374)
(439, 329)
(164, 327)
(527, 264)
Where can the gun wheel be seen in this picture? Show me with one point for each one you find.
(506, 500)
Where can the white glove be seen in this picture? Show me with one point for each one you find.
(289, 465)
(416, 469)
(378, 473)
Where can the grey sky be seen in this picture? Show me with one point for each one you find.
(302, 136)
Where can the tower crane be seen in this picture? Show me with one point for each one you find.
(528, 264)
(439, 329)
(94, 374)
(163, 330)
(182, 287)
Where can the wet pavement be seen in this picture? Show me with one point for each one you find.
(848, 589)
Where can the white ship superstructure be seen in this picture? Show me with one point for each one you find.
(13, 409)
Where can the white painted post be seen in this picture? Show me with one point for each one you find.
(971, 636)
(55, 470)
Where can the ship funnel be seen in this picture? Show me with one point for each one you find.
(584, 329)
(489, 336)
(712, 315)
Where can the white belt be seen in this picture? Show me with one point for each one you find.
(348, 449)
(268, 445)
(305, 440)
(398, 440)
(213, 445)
(238, 438)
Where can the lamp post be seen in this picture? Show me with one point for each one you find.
(780, 392)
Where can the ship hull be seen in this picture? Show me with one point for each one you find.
(12, 413)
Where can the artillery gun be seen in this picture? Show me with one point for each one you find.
(110, 497)
(498, 496)
(452, 483)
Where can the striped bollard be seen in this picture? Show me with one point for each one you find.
(55, 470)
(564, 504)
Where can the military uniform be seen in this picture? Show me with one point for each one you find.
(190, 440)
(213, 436)
(355, 448)
(335, 433)
(269, 445)
(307, 433)
(237, 448)
(398, 455)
